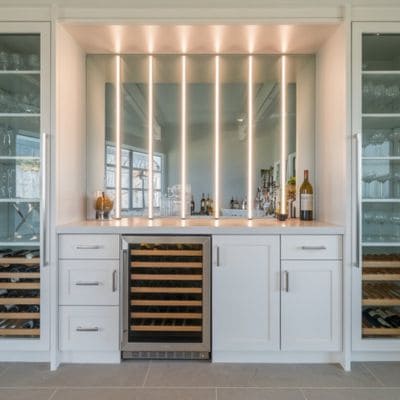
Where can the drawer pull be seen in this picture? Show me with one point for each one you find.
(313, 247)
(89, 247)
(87, 283)
(81, 329)
(114, 280)
(218, 260)
(286, 281)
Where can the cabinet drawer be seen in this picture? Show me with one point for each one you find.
(311, 247)
(89, 328)
(89, 246)
(91, 282)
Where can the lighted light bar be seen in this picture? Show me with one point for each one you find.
(183, 138)
(117, 202)
(217, 137)
(250, 139)
(150, 135)
(283, 210)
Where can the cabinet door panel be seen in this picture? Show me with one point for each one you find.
(246, 293)
(310, 305)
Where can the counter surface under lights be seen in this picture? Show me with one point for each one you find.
(237, 226)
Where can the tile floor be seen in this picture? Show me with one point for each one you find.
(160, 380)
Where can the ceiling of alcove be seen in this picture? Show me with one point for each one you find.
(200, 39)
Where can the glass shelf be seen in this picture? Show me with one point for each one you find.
(381, 200)
(377, 72)
(20, 200)
(19, 72)
(4, 115)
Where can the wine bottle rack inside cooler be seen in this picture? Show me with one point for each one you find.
(19, 297)
(168, 299)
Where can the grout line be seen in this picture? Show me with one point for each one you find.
(370, 371)
(53, 394)
(303, 394)
(147, 374)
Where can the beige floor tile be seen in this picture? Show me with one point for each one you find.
(125, 374)
(201, 374)
(387, 372)
(135, 394)
(333, 375)
(352, 394)
(258, 394)
(25, 394)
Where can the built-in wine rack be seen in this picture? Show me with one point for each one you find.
(20, 294)
(381, 296)
(168, 299)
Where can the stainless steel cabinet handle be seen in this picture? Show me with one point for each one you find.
(357, 261)
(43, 201)
(87, 283)
(285, 281)
(218, 264)
(313, 247)
(81, 329)
(114, 281)
(89, 247)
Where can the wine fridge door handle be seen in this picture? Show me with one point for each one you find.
(94, 283)
(357, 139)
(218, 257)
(82, 329)
(114, 280)
(285, 285)
(313, 247)
(89, 247)
(43, 200)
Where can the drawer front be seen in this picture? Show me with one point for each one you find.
(311, 247)
(89, 246)
(89, 328)
(91, 282)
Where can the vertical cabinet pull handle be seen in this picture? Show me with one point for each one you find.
(218, 264)
(114, 280)
(285, 285)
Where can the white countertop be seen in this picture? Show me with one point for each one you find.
(235, 226)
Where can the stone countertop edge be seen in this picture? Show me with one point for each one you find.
(201, 226)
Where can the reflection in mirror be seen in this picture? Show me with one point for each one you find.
(201, 168)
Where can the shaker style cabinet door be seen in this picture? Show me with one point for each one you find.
(310, 305)
(245, 293)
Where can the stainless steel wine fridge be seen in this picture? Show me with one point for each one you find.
(166, 297)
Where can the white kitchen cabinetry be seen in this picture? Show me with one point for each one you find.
(89, 298)
(245, 293)
(310, 305)
(311, 289)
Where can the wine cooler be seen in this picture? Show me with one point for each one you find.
(166, 297)
(377, 122)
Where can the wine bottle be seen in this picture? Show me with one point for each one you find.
(306, 199)
(232, 203)
(192, 206)
(202, 205)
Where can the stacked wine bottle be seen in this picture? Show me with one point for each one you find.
(19, 293)
(381, 295)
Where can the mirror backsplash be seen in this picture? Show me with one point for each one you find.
(206, 127)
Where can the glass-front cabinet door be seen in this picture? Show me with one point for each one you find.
(23, 118)
(377, 120)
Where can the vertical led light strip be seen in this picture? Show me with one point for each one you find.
(217, 138)
(150, 135)
(283, 210)
(250, 139)
(183, 139)
(117, 214)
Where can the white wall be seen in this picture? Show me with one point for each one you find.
(71, 132)
(331, 129)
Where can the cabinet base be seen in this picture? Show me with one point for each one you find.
(277, 357)
(90, 357)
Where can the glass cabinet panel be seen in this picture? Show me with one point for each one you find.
(380, 185)
(20, 183)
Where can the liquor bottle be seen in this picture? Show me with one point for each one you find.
(306, 199)
(202, 205)
(208, 205)
(192, 206)
(232, 203)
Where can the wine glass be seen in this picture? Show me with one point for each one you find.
(367, 180)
